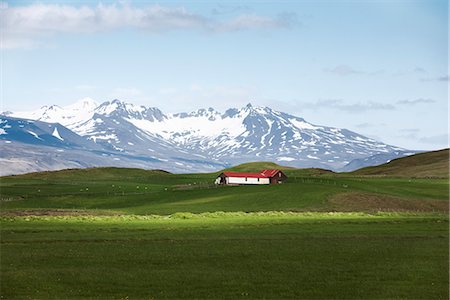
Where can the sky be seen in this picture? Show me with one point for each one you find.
(379, 68)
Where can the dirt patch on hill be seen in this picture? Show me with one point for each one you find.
(56, 212)
(375, 202)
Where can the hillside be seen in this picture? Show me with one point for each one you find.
(422, 165)
(257, 166)
(263, 165)
(99, 174)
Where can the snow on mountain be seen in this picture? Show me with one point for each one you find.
(110, 127)
(120, 109)
(238, 135)
(29, 146)
(16, 130)
(184, 129)
(56, 134)
(79, 111)
(82, 106)
(260, 133)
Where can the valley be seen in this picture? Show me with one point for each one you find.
(132, 233)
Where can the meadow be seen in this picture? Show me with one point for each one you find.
(133, 191)
(112, 233)
(226, 256)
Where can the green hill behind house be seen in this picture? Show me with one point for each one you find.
(257, 166)
(265, 165)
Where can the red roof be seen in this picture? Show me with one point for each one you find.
(270, 173)
(263, 174)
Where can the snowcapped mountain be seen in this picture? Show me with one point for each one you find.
(79, 111)
(29, 145)
(206, 135)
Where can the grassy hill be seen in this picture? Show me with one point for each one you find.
(434, 164)
(101, 173)
(257, 166)
(290, 171)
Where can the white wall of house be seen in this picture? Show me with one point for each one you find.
(247, 180)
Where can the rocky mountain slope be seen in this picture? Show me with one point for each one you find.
(208, 137)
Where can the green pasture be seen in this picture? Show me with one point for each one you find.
(112, 233)
(132, 191)
(226, 255)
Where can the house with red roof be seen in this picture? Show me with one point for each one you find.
(263, 177)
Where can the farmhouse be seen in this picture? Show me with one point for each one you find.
(264, 177)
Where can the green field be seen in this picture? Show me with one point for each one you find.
(130, 191)
(112, 233)
(232, 256)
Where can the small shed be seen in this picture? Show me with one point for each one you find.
(263, 177)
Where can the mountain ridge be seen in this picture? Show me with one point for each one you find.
(238, 135)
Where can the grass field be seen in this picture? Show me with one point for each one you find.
(132, 191)
(112, 233)
(230, 256)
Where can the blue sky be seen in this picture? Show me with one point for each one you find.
(379, 68)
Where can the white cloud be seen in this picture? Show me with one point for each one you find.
(338, 104)
(441, 140)
(419, 70)
(245, 22)
(370, 125)
(346, 70)
(416, 101)
(195, 88)
(444, 78)
(23, 26)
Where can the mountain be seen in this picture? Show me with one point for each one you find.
(207, 136)
(421, 165)
(29, 146)
(79, 111)
(41, 134)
